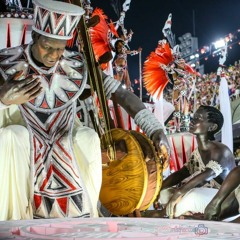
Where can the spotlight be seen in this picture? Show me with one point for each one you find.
(219, 44)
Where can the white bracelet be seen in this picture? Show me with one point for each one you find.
(3, 106)
(215, 166)
(110, 86)
(147, 122)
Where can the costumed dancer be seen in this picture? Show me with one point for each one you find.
(50, 165)
(111, 49)
(120, 65)
(111, 52)
(172, 70)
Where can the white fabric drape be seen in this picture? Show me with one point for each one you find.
(225, 108)
(15, 164)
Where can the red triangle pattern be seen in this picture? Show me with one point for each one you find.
(176, 155)
(37, 200)
(37, 25)
(58, 103)
(70, 94)
(23, 41)
(73, 19)
(193, 143)
(43, 12)
(47, 29)
(184, 157)
(78, 82)
(32, 101)
(62, 202)
(44, 104)
(79, 115)
(8, 36)
(57, 18)
(61, 32)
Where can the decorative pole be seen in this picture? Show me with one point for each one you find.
(140, 75)
(225, 105)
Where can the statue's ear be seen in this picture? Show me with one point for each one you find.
(212, 127)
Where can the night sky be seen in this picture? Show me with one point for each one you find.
(213, 19)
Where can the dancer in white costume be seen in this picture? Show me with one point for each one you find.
(58, 172)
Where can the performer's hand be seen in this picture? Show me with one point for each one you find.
(14, 91)
(212, 212)
(161, 143)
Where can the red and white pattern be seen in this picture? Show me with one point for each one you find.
(57, 20)
(57, 186)
(63, 83)
(182, 145)
(58, 190)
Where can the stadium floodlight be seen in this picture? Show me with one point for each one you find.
(192, 57)
(188, 45)
(219, 44)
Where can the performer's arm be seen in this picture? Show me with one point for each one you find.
(175, 178)
(231, 182)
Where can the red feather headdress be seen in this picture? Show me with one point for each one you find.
(101, 35)
(155, 69)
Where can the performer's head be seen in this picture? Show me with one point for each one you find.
(54, 24)
(119, 46)
(206, 120)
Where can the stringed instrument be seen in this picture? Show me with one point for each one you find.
(131, 180)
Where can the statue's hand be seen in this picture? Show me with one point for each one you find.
(161, 144)
(212, 212)
(14, 91)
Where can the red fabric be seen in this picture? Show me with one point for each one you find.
(9, 44)
(184, 157)
(177, 166)
(23, 41)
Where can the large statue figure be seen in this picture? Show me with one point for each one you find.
(50, 166)
(190, 189)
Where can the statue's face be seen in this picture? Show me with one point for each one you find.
(48, 50)
(200, 123)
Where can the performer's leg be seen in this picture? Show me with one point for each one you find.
(88, 152)
(15, 173)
